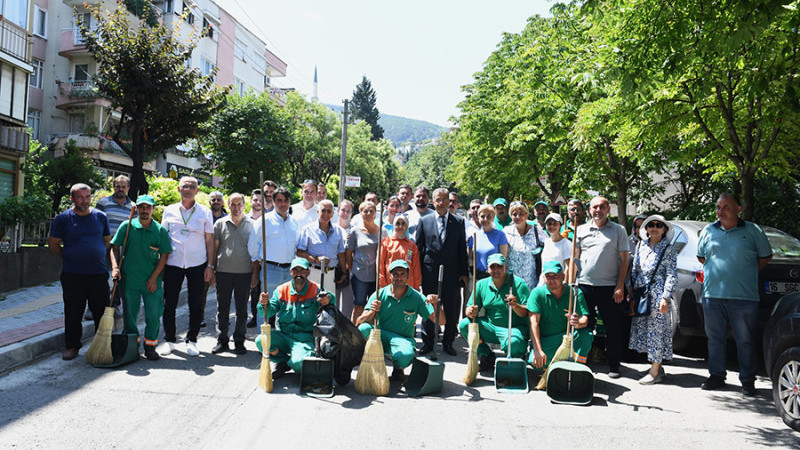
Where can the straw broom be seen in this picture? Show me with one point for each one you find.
(99, 352)
(473, 334)
(265, 371)
(371, 378)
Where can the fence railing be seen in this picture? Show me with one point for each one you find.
(35, 233)
(15, 40)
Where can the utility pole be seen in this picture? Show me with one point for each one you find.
(342, 160)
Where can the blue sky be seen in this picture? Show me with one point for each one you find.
(417, 53)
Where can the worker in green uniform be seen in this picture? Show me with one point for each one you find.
(145, 256)
(295, 303)
(397, 306)
(489, 304)
(549, 310)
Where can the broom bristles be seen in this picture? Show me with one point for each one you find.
(562, 354)
(371, 378)
(99, 352)
(265, 371)
(473, 338)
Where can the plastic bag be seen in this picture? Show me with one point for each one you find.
(338, 339)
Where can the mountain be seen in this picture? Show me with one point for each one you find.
(400, 130)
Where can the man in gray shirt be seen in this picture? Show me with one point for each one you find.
(601, 250)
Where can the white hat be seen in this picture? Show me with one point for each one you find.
(554, 216)
(657, 218)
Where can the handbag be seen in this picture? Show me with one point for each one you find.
(639, 303)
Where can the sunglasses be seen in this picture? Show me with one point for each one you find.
(655, 225)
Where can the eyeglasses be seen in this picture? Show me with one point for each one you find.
(517, 203)
(655, 225)
(310, 180)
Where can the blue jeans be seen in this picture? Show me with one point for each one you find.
(741, 316)
(361, 290)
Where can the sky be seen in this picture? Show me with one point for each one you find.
(417, 54)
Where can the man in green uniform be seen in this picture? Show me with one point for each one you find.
(296, 304)
(501, 217)
(397, 307)
(145, 256)
(549, 305)
(489, 307)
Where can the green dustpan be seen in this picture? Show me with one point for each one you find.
(124, 349)
(426, 377)
(570, 383)
(316, 377)
(510, 374)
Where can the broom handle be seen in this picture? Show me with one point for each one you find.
(438, 302)
(474, 269)
(510, 311)
(122, 254)
(263, 241)
(378, 261)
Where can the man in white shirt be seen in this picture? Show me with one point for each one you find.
(305, 211)
(191, 230)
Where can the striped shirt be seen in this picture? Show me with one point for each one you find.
(116, 213)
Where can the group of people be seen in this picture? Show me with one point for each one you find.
(527, 266)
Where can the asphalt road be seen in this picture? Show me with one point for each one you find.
(212, 401)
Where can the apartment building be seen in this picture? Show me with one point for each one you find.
(64, 105)
(16, 28)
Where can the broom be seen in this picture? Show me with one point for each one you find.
(265, 372)
(371, 378)
(564, 351)
(473, 334)
(99, 352)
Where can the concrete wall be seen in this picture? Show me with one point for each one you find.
(30, 267)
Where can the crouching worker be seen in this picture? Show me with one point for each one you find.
(146, 254)
(549, 306)
(295, 305)
(397, 307)
(488, 306)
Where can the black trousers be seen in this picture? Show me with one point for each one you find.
(238, 286)
(451, 305)
(78, 290)
(173, 279)
(601, 298)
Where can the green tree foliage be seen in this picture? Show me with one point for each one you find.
(51, 177)
(315, 141)
(400, 130)
(249, 134)
(429, 165)
(142, 71)
(372, 161)
(363, 107)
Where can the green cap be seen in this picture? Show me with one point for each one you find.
(541, 202)
(496, 258)
(299, 262)
(146, 200)
(398, 263)
(500, 201)
(551, 267)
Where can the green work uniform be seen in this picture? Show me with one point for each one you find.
(397, 322)
(492, 317)
(143, 250)
(293, 340)
(553, 322)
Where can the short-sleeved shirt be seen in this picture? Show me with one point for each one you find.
(116, 213)
(555, 251)
(83, 238)
(492, 302)
(232, 254)
(400, 315)
(365, 248)
(187, 229)
(143, 250)
(488, 244)
(304, 216)
(552, 310)
(731, 260)
(316, 242)
(600, 247)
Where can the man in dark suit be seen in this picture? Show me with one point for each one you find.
(441, 240)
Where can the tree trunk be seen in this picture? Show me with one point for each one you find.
(139, 183)
(622, 203)
(747, 179)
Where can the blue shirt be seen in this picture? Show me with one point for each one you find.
(116, 213)
(316, 242)
(731, 260)
(83, 239)
(488, 244)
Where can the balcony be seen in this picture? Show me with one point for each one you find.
(78, 94)
(15, 41)
(72, 44)
(275, 66)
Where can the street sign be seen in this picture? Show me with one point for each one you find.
(560, 200)
(352, 181)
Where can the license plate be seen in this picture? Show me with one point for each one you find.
(777, 287)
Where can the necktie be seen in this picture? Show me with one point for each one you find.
(441, 230)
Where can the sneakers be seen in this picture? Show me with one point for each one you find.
(239, 349)
(280, 370)
(220, 347)
(191, 349)
(613, 372)
(749, 389)
(713, 382)
(650, 379)
(486, 362)
(166, 348)
(150, 353)
(398, 374)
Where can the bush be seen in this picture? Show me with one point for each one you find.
(29, 209)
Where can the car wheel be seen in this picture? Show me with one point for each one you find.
(786, 387)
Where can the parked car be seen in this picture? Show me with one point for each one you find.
(781, 276)
(782, 358)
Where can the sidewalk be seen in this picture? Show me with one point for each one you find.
(32, 324)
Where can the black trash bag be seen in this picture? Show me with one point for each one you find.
(338, 339)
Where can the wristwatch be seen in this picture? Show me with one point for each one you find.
(212, 267)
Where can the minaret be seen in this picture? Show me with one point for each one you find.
(314, 98)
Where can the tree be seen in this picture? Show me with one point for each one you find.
(314, 148)
(142, 71)
(429, 164)
(249, 134)
(362, 107)
(371, 160)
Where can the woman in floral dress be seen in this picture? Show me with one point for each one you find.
(522, 244)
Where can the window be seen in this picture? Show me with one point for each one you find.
(259, 63)
(189, 16)
(40, 22)
(240, 50)
(77, 123)
(34, 117)
(81, 73)
(208, 28)
(36, 76)
(8, 175)
(206, 67)
(239, 86)
(168, 8)
(15, 12)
